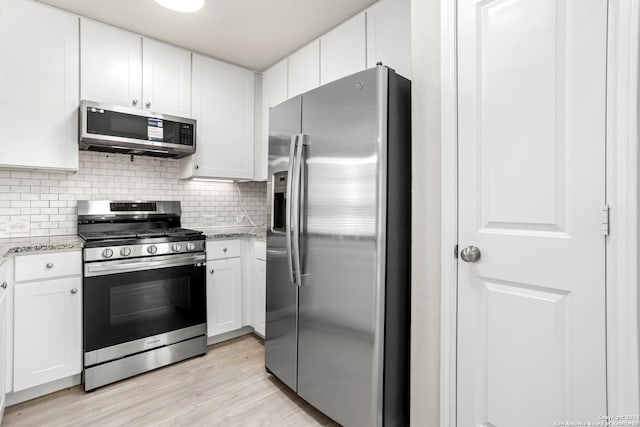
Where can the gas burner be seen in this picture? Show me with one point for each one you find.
(107, 225)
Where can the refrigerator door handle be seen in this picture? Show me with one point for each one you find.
(298, 173)
(289, 207)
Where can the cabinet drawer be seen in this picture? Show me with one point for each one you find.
(219, 249)
(47, 266)
(260, 249)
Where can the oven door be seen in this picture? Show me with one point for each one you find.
(135, 305)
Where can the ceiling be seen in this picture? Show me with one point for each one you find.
(251, 33)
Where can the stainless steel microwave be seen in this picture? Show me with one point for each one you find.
(134, 131)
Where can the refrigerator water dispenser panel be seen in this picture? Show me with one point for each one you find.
(279, 202)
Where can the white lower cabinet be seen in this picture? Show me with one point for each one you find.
(3, 335)
(236, 294)
(224, 296)
(48, 331)
(259, 295)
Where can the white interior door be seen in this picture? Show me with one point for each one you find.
(531, 319)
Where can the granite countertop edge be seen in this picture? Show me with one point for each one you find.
(24, 245)
(234, 232)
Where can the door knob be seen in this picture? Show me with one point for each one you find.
(470, 254)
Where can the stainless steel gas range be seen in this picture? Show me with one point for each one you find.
(144, 289)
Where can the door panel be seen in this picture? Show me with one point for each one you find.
(337, 301)
(48, 331)
(281, 329)
(224, 296)
(531, 331)
(110, 65)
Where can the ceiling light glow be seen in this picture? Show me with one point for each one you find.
(182, 5)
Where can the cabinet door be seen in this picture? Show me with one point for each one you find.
(223, 104)
(304, 69)
(3, 339)
(343, 50)
(48, 331)
(389, 35)
(274, 91)
(224, 296)
(39, 81)
(166, 78)
(259, 295)
(110, 65)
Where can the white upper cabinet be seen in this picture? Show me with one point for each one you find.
(123, 68)
(274, 91)
(223, 105)
(343, 50)
(274, 84)
(110, 64)
(39, 80)
(166, 78)
(389, 35)
(304, 69)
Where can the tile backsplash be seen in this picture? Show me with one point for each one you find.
(41, 203)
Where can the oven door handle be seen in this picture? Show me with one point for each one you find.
(127, 266)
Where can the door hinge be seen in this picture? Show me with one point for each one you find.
(605, 219)
(455, 252)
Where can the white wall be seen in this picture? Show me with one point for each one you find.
(425, 310)
(47, 200)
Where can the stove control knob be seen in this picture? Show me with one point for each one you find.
(191, 247)
(107, 253)
(125, 251)
(152, 249)
(176, 247)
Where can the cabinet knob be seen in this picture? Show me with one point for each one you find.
(134, 102)
(49, 265)
(148, 104)
(224, 250)
(4, 285)
(211, 271)
(74, 291)
(197, 167)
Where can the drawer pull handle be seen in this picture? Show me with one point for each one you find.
(74, 291)
(49, 265)
(4, 285)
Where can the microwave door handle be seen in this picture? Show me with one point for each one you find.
(288, 207)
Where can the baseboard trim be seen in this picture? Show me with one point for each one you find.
(42, 390)
(230, 335)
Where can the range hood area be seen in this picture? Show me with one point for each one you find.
(134, 131)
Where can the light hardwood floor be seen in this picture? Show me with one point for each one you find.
(227, 387)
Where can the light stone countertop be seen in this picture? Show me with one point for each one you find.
(24, 245)
(15, 245)
(218, 233)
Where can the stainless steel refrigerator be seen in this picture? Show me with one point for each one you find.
(338, 247)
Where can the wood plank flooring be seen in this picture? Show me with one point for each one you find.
(227, 387)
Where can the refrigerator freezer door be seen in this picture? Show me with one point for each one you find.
(339, 320)
(282, 296)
